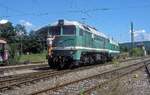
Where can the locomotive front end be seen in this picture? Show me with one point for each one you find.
(61, 42)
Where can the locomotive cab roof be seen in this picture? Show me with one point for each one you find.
(84, 26)
(81, 25)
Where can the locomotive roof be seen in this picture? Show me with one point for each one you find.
(113, 42)
(86, 27)
(82, 26)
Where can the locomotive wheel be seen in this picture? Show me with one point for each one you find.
(71, 66)
(61, 66)
(91, 60)
(85, 60)
(103, 58)
(61, 63)
(49, 62)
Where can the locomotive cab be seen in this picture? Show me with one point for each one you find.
(62, 45)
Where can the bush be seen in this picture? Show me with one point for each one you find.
(14, 56)
(123, 55)
(136, 52)
(115, 62)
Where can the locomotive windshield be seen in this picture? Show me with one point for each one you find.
(55, 30)
(69, 30)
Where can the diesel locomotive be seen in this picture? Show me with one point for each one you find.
(77, 44)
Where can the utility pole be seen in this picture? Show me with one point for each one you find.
(21, 45)
(48, 30)
(132, 37)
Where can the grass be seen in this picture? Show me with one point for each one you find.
(33, 57)
(115, 62)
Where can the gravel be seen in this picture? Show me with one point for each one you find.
(136, 83)
(65, 78)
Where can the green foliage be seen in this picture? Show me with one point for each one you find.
(37, 41)
(13, 54)
(136, 52)
(7, 31)
(20, 29)
(33, 43)
(123, 55)
(124, 49)
(33, 57)
(17, 37)
(115, 62)
(81, 91)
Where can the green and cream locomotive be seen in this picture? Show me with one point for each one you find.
(77, 44)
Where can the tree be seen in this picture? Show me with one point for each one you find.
(7, 31)
(21, 35)
(124, 49)
(137, 52)
(20, 29)
(39, 37)
(33, 43)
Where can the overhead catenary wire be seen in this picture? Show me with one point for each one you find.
(82, 11)
(10, 9)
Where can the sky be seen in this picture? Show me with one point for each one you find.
(112, 17)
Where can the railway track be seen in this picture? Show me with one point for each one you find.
(90, 90)
(23, 66)
(129, 59)
(8, 83)
(31, 78)
(74, 87)
(16, 77)
(37, 65)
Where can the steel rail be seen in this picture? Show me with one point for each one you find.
(30, 80)
(37, 65)
(88, 91)
(22, 66)
(110, 72)
(25, 76)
